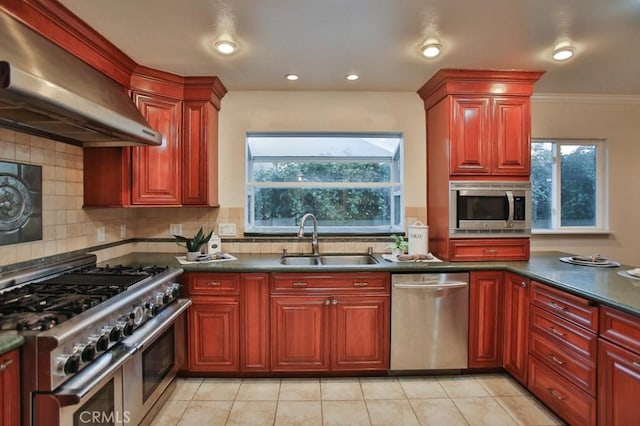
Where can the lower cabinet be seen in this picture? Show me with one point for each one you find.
(516, 326)
(228, 322)
(332, 322)
(486, 312)
(10, 388)
(618, 368)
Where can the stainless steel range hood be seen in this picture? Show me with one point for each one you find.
(46, 91)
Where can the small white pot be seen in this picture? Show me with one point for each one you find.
(193, 255)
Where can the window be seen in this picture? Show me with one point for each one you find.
(352, 182)
(568, 180)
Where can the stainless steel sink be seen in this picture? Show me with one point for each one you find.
(329, 259)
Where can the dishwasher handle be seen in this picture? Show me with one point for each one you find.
(438, 286)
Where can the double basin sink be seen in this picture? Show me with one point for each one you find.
(328, 260)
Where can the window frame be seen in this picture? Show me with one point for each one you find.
(602, 193)
(396, 187)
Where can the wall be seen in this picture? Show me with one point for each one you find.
(67, 227)
(615, 119)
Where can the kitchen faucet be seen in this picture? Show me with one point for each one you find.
(314, 236)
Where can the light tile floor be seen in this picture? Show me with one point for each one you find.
(490, 399)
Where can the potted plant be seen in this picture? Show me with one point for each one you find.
(399, 245)
(193, 244)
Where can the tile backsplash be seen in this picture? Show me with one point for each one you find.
(67, 227)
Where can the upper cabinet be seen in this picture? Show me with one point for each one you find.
(479, 122)
(183, 171)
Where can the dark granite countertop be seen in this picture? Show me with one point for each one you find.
(603, 285)
(10, 340)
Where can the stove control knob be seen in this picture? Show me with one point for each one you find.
(137, 315)
(152, 309)
(87, 351)
(101, 342)
(175, 289)
(128, 328)
(161, 298)
(68, 364)
(115, 334)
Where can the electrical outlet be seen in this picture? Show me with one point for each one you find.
(227, 229)
(101, 235)
(175, 229)
(123, 231)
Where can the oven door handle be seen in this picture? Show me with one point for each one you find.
(511, 203)
(157, 325)
(99, 371)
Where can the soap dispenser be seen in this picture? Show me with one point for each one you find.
(214, 245)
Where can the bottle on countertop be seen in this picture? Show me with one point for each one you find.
(214, 245)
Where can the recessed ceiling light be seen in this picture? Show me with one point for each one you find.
(292, 77)
(431, 48)
(352, 77)
(225, 47)
(563, 50)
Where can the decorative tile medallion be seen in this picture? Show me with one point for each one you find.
(20, 203)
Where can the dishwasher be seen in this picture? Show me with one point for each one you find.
(429, 321)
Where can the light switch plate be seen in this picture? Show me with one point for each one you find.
(101, 235)
(175, 229)
(227, 229)
(123, 231)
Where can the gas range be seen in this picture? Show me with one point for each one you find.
(75, 315)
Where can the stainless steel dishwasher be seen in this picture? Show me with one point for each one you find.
(429, 321)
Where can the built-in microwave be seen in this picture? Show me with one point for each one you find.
(489, 209)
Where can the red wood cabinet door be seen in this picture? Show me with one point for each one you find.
(300, 333)
(516, 326)
(360, 333)
(214, 334)
(618, 385)
(200, 148)
(511, 136)
(486, 319)
(156, 171)
(470, 153)
(254, 332)
(10, 388)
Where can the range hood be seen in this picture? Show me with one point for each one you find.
(46, 91)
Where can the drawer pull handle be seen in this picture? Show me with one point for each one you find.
(556, 394)
(490, 251)
(556, 332)
(636, 364)
(557, 307)
(5, 364)
(555, 359)
(300, 284)
(214, 284)
(360, 284)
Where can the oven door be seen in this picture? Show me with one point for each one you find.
(159, 354)
(92, 397)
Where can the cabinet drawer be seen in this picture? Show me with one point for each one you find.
(286, 282)
(493, 249)
(574, 368)
(566, 335)
(573, 308)
(213, 284)
(569, 402)
(621, 328)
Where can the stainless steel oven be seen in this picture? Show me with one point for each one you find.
(121, 386)
(489, 209)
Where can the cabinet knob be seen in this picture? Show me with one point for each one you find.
(300, 284)
(214, 284)
(555, 359)
(5, 364)
(523, 284)
(334, 302)
(556, 394)
(557, 332)
(636, 364)
(327, 302)
(360, 284)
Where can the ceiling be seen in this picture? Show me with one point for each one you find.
(324, 40)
